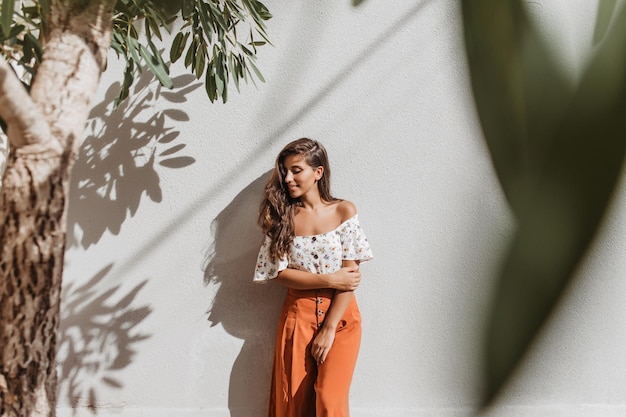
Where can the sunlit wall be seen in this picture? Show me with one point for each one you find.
(160, 317)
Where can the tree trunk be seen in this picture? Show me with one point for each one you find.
(32, 203)
(32, 239)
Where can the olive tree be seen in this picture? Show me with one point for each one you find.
(53, 53)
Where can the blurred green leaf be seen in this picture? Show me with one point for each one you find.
(357, 2)
(558, 150)
(606, 9)
(520, 92)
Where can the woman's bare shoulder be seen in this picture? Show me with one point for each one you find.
(345, 209)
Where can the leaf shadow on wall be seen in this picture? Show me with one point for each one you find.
(120, 160)
(97, 338)
(245, 310)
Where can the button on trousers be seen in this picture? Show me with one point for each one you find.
(301, 388)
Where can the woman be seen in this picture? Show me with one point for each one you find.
(313, 246)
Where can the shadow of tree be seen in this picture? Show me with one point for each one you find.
(97, 338)
(246, 310)
(118, 161)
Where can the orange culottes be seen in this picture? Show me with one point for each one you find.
(301, 388)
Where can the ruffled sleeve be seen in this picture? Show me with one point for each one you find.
(354, 242)
(267, 269)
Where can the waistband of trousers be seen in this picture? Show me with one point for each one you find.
(321, 293)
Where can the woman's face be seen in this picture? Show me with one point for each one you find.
(300, 177)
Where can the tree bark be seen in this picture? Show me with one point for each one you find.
(32, 241)
(33, 200)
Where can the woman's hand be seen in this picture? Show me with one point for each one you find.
(322, 343)
(345, 279)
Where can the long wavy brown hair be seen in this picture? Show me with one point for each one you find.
(278, 208)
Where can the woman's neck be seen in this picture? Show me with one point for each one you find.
(312, 204)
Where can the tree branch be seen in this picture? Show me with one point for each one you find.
(25, 124)
(78, 38)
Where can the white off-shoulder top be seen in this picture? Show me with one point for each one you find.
(319, 254)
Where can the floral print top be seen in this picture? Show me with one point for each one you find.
(319, 254)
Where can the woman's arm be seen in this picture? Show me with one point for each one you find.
(326, 336)
(345, 279)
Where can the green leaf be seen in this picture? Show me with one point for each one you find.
(133, 47)
(209, 83)
(205, 20)
(178, 46)
(219, 83)
(132, 31)
(154, 26)
(565, 147)
(188, 8)
(15, 31)
(200, 63)
(263, 12)
(163, 10)
(251, 6)
(235, 70)
(212, 26)
(190, 57)
(129, 77)
(356, 3)
(122, 7)
(606, 9)
(118, 43)
(32, 44)
(157, 56)
(264, 36)
(256, 71)
(236, 9)
(217, 15)
(156, 66)
(45, 5)
(246, 50)
(516, 78)
(6, 16)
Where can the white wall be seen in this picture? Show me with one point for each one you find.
(160, 317)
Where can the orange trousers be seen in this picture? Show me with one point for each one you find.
(301, 388)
